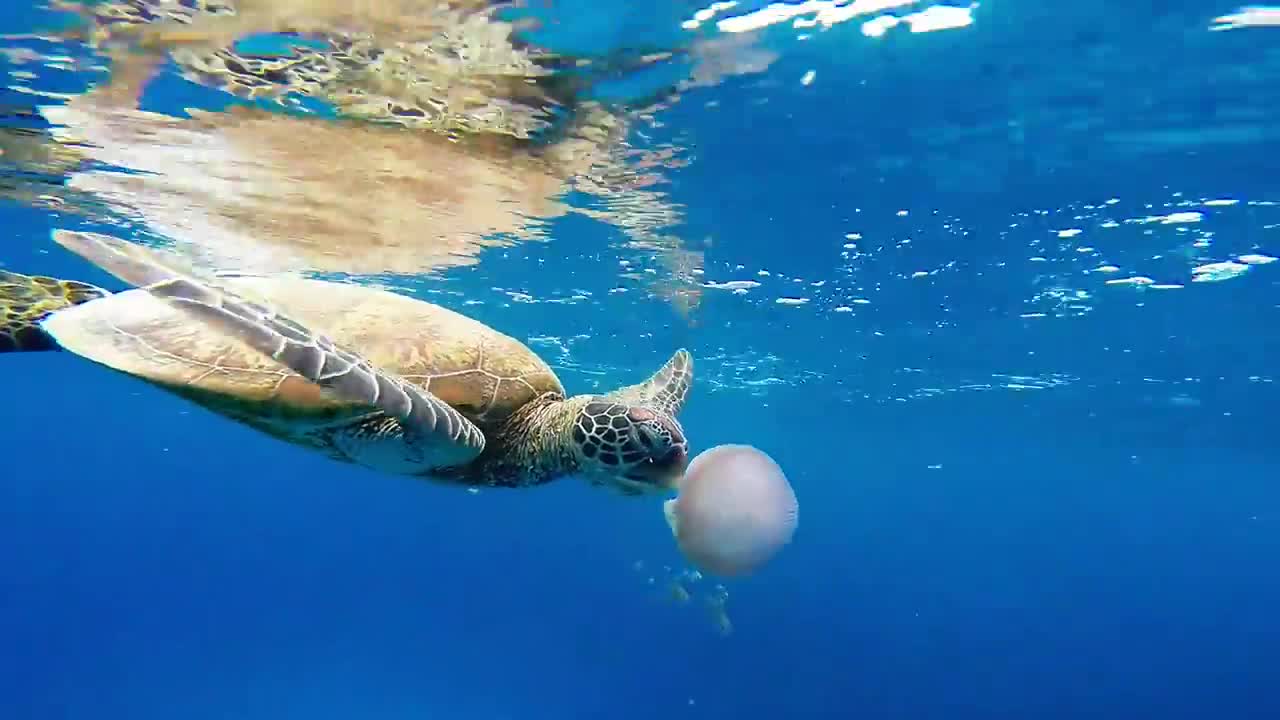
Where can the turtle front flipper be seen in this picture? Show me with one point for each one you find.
(440, 434)
(25, 300)
(667, 389)
(446, 437)
(135, 264)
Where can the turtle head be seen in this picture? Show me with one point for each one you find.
(630, 438)
(634, 448)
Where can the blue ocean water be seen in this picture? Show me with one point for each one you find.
(966, 286)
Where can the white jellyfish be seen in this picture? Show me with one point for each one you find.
(734, 510)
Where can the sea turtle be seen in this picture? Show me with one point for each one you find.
(394, 384)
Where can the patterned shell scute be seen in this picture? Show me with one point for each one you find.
(485, 374)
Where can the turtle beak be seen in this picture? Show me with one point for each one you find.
(673, 465)
(658, 449)
(662, 472)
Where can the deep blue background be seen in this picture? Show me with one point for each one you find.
(1101, 548)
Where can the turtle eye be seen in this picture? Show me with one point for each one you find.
(645, 434)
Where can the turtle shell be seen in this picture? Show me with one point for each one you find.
(481, 372)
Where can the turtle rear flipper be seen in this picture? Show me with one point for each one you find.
(25, 300)
(440, 433)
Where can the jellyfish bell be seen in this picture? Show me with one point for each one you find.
(734, 510)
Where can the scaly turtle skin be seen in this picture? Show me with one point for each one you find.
(394, 384)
